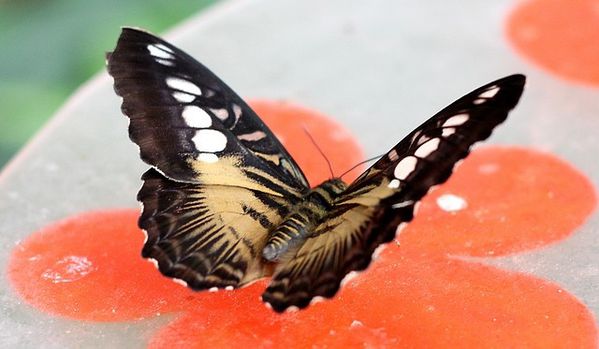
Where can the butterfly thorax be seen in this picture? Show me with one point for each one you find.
(303, 218)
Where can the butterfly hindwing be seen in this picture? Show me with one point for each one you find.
(206, 236)
(183, 117)
(369, 212)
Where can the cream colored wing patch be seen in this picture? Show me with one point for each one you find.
(207, 235)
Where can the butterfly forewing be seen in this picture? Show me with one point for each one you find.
(184, 118)
(369, 212)
(470, 119)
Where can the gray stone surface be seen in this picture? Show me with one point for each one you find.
(379, 67)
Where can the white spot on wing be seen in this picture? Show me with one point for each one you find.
(195, 116)
(448, 131)
(316, 299)
(209, 140)
(229, 288)
(292, 309)
(180, 282)
(456, 120)
(451, 203)
(415, 136)
(160, 51)
(377, 251)
(183, 97)
(208, 158)
(164, 48)
(143, 230)
(405, 167)
(400, 228)
(348, 277)
(236, 111)
(490, 93)
(417, 207)
(394, 184)
(393, 155)
(213, 289)
(184, 86)
(222, 114)
(165, 62)
(427, 148)
(479, 101)
(153, 261)
(252, 137)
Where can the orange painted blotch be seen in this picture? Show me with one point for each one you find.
(414, 295)
(437, 302)
(517, 199)
(558, 35)
(289, 122)
(89, 267)
(410, 302)
(223, 323)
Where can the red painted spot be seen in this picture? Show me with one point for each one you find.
(517, 199)
(558, 35)
(115, 286)
(418, 294)
(291, 122)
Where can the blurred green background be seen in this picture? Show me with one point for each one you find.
(48, 48)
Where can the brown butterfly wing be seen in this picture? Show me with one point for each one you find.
(369, 212)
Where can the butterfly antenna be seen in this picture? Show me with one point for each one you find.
(319, 150)
(359, 164)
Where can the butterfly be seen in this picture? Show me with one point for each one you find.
(224, 204)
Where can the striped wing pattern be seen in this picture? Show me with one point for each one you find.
(369, 212)
(207, 236)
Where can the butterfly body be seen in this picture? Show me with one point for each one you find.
(224, 204)
(303, 218)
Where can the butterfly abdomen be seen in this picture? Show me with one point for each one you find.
(293, 230)
(302, 219)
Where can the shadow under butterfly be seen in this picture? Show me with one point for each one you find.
(224, 204)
